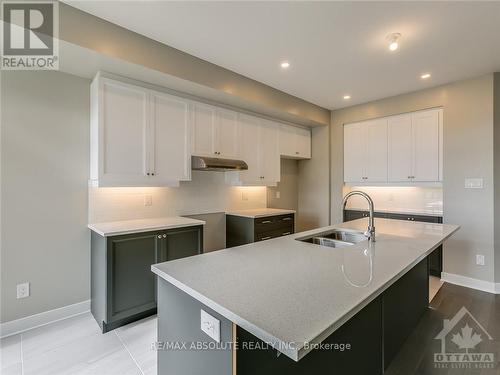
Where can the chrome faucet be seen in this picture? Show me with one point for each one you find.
(370, 233)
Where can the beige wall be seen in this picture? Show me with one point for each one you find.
(496, 139)
(44, 173)
(314, 183)
(287, 187)
(112, 41)
(468, 152)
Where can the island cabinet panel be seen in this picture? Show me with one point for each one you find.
(123, 288)
(180, 324)
(404, 303)
(363, 332)
(243, 230)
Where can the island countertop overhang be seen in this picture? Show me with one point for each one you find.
(286, 292)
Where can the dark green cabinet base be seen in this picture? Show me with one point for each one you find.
(374, 334)
(123, 288)
(244, 230)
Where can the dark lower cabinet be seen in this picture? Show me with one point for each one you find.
(435, 258)
(242, 230)
(123, 288)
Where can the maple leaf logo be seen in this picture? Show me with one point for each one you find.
(466, 340)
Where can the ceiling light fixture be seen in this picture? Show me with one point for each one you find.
(425, 76)
(393, 40)
(346, 97)
(285, 64)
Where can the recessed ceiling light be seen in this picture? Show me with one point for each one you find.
(425, 76)
(393, 40)
(285, 64)
(346, 97)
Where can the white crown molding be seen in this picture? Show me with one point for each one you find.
(469, 282)
(33, 321)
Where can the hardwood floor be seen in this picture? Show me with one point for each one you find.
(416, 357)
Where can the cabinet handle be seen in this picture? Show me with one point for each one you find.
(296, 152)
(409, 176)
(265, 238)
(266, 222)
(164, 236)
(152, 174)
(159, 236)
(147, 174)
(286, 218)
(286, 234)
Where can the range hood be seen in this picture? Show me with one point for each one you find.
(202, 163)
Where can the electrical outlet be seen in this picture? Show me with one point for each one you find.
(210, 325)
(278, 194)
(244, 196)
(23, 290)
(473, 183)
(148, 200)
(480, 260)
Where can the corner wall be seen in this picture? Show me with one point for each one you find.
(468, 152)
(496, 140)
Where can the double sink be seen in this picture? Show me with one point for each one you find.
(335, 238)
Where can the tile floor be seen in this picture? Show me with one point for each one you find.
(76, 346)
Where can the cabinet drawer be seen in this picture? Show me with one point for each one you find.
(285, 231)
(269, 223)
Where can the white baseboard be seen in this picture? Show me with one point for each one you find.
(469, 282)
(24, 324)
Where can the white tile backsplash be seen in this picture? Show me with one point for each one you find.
(399, 198)
(207, 192)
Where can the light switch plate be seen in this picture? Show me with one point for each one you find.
(210, 325)
(473, 183)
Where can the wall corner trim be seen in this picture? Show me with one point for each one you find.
(469, 282)
(37, 320)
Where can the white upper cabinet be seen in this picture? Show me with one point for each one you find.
(138, 137)
(426, 139)
(214, 132)
(365, 151)
(294, 142)
(169, 139)
(415, 147)
(400, 148)
(203, 130)
(119, 122)
(258, 147)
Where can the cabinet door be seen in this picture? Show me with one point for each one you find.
(183, 242)
(226, 131)
(354, 153)
(269, 158)
(249, 146)
(203, 130)
(169, 136)
(376, 151)
(425, 131)
(303, 143)
(287, 140)
(122, 126)
(400, 146)
(131, 284)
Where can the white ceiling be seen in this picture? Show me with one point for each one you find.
(334, 48)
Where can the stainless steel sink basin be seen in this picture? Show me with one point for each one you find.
(335, 238)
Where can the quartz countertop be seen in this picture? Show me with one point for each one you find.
(260, 212)
(288, 292)
(403, 211)
(116, 228)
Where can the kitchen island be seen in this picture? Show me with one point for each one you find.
(282, 298)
